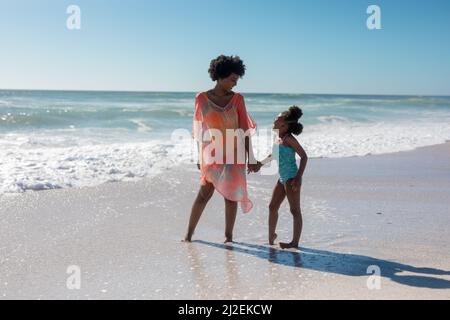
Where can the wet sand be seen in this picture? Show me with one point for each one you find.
(389, 211)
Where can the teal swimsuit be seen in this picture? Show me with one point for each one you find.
(287, 165)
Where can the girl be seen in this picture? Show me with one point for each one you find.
(220, 109)
(289, 184)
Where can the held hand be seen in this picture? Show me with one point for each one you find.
(254, 167)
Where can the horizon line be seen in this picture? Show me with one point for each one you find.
(244, 92)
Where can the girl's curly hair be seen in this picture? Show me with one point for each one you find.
(291, 117)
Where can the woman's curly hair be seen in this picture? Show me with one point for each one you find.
(223, 66)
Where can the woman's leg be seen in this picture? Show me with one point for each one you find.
(230, 219)
(203, 196)
(278, 196)
(294, 204)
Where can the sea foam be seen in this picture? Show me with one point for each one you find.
(51, 140)
(52, 162)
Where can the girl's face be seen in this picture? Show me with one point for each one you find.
(229, 82)
(280, 125)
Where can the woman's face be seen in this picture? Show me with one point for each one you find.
(229, 82)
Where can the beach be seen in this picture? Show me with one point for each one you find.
(391, 211)
(107, 108)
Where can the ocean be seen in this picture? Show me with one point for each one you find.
(62, 139)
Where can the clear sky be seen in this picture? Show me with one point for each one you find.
(289, 46)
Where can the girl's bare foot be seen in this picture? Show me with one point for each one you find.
(188, 238)
(272, 239)
(228, 240)
(289, 245)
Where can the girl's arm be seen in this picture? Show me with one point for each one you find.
(267, 160)
(259, 164)
(293, 143)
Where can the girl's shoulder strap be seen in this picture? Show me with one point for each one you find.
(287, 140)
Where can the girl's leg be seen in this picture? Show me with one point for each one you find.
(278, 196)
(205, 193)
(230, 219)
(294, 203)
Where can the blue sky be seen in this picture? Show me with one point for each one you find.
(320, 46)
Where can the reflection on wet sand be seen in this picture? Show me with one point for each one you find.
(343, 264)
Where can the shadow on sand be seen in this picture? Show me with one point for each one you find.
(340, 263)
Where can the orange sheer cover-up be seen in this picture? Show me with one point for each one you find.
(228, 177)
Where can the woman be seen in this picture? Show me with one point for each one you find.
(219, 110)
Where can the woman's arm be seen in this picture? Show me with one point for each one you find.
(253, 164)
(247, 124)
(249, 150)
(199, 155)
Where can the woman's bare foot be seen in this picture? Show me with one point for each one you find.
(289, 245)
(272, 239)
(188, 238)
